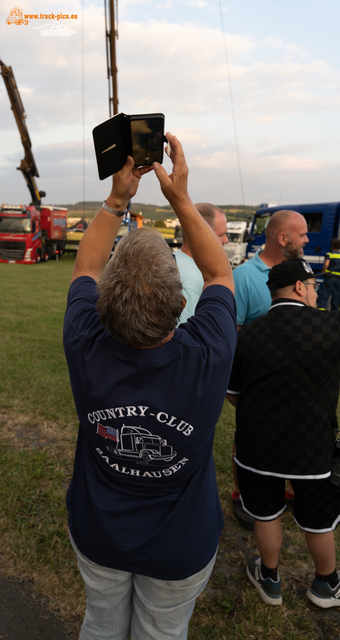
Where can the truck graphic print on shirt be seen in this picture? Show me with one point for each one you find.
(137, 442)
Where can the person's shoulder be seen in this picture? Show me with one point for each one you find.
(318, 328)
(182, 257)
(310, 320)
(240, 273)
(191, 277)
(217, 291)
(255, 325)
(83, 283)
(217, 300)
(323, 316)
(214, 321)
(81, 301)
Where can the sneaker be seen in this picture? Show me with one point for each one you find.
(242, 516)
(269, 590)
(323, 595)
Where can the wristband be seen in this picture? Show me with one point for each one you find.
(115, 212)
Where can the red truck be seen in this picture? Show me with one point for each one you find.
(32, 234)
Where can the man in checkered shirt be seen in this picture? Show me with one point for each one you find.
(284, 429)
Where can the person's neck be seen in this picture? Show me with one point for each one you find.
(153, 346)
(292, 297)
(271, 256)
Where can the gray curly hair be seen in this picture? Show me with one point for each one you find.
(140, 291)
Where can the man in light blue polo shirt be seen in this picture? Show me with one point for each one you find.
(286, 235)
(190, 274)
(253, 297)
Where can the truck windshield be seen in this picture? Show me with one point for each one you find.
(15, 225)
(314, 221)
(235, 237)
(260, 224)
(151, 440)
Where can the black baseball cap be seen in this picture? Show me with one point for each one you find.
(289, 272)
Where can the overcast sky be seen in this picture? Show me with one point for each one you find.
(284, 68)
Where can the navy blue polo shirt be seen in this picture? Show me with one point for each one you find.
(143, 496)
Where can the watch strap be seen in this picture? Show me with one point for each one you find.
(115, 212)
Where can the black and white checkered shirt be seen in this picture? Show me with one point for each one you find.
(282, 428)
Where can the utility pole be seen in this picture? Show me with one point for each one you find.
(111, 35)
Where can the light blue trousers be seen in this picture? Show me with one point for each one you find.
(121, 604)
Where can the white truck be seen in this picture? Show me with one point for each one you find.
(237, 233)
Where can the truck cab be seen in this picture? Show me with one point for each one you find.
(137, 442)
(20, 234)
(237, 242)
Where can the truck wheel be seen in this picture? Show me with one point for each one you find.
(45, 256)
(145, 457)
(38, 256)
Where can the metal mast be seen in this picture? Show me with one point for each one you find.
(111, 27)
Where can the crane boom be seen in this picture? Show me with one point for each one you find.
(27, 165)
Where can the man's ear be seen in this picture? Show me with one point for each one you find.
(298, 288)
(184, 302)
(282, 239)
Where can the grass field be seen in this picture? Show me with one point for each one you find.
(38, 427)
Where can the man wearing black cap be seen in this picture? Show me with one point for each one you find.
(285, 384)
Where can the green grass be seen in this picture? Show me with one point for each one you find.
(33, 302)
(38, 427)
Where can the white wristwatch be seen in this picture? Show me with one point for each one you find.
(115, 212)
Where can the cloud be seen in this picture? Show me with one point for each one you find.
(192, 78)
(285, 103)
(200, 4)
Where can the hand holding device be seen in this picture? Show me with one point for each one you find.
(125, 184)
(174, 186)
(140, 136)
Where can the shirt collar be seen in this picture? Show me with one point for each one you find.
(281, 302)
(259, 262)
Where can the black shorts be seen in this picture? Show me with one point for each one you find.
(316, 504)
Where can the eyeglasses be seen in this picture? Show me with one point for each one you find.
(316, 285)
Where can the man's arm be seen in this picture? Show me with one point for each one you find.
(96, 245)
(205, 247)
(233, 399)
(325, 265)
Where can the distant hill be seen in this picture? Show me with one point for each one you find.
(238, 211)
(154, 212)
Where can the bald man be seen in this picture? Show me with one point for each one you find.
(286, 235)
(190, 274)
